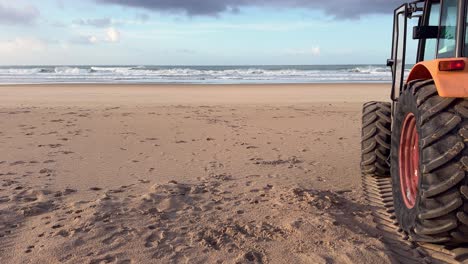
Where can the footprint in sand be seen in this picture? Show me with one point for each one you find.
(152, 240)
(51, 145)
(19, 162)
(106, 259)
(253, 256)
(117, 236)
(29, 249)
(46, 171)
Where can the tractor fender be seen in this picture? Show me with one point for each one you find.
(448, 83)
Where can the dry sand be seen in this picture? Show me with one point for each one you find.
(184, 174)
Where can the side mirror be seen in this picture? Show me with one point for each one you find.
(425, 32)
(390, 63)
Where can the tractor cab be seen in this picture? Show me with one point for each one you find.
(441, 32)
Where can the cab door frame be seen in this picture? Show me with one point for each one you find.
(399, 42)
(461, 28)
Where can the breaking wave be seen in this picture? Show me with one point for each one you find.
(195, 74)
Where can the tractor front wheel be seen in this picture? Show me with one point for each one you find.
(428, 165)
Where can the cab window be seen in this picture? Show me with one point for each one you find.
(447, 31)
(430, 49)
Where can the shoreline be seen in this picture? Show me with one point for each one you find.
(197, 84)
(189, 94)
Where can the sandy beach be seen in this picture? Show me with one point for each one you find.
(185, 174)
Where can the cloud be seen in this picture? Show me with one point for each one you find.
(143, 17)
(315, 51)
(22, 45)
(25, 15)
(112, 35)
(97, 22)
(92, 39)
(85, 40)
(105, 22)
(336, 8)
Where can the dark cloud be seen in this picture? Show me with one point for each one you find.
(142, 17)
(336, 8)
(18, 15)
(97, 22)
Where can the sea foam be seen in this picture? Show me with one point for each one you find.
(194, 74)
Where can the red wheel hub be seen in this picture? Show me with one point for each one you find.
(409, 161)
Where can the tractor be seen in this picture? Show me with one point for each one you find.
(420, 138)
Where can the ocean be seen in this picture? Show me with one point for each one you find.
(195, 74)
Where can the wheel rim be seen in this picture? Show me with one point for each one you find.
(409, 161)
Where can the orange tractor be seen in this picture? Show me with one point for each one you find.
(420, 138)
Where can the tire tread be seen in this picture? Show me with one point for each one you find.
(375, 138)
(443, 203)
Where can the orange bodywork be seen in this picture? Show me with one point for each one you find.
(448, 83)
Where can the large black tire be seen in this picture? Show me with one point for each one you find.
(440, 211)
(375, 142)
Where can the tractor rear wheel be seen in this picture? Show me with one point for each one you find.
(375, 142)
(428, 165)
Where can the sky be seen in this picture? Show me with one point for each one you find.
(195, 32)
